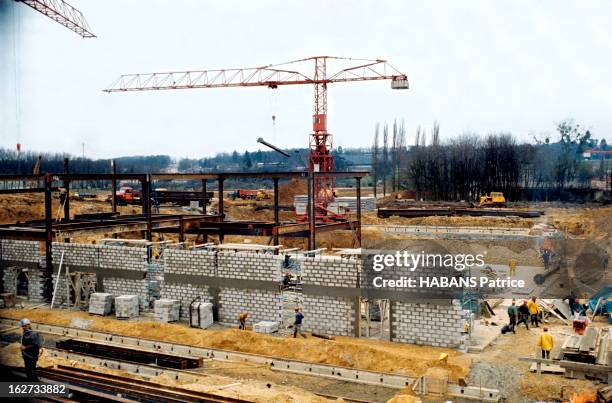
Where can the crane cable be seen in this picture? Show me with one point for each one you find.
(273, 106)
(16, 30)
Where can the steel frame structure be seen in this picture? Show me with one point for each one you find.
(46, 230)
(62, 13)
(296, 72)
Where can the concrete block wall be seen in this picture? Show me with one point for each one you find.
(329, 315)
(122, 257)
(22, 251)
(251, 266)
(122, 286)
(9, 278)
(428, 324)
(61, 297)
(330, 271)
(75, 254)
(260, 304)
(185, 293)
(35, 285)
(194, 262)
(106, 256)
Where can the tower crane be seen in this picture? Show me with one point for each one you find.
(62, 13)
(314, 71)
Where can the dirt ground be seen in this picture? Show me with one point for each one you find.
(588, 222)
(458, 221)
(499, 366)
(372, 355)
(252, 390)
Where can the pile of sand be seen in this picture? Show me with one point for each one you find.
(592, 223)
(555, 388)
(287, 191)
(450, 221)
(349, 352)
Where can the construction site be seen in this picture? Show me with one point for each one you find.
(275, 284)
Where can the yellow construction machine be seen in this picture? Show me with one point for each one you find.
(493, 199)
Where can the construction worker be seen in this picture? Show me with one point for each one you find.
(534, 311)
(545, 342)
(572, 301)
(242, 320)
(546, 258)
(287, 280)
(512, 266)
(297, 324)
(512, 314)
(523, 314)
(30, 349)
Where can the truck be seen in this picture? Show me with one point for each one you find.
(245, 194)
(493, 199)
(125, 195)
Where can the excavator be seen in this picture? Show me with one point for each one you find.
(493, 199)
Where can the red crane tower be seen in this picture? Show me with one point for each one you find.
(290, 73)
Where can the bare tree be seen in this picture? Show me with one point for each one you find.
(394, 156)
(385, 157)
(375, 158)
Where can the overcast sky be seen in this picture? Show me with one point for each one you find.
(475, 66)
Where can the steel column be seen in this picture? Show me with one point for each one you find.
(276, 211)
(204, 197)
(221, 212)
(358, 188)
(48, 272)
(114, 186)
(146, 205)
(67, 187)
(311, 214)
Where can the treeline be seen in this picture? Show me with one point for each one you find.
(468, 166)
(12, 162)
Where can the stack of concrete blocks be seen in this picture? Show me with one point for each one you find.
(126, 306)
(167, 310)
(202, 315)
(184, 263)
(340, 205)
(101, 303)
(265, 326)
(333, 315)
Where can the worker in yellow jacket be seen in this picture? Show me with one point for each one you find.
(546, 343)
(534, 311)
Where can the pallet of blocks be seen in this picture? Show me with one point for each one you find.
(201, 314)
(588, 355)
(167, 310)
(101, 303)
(126, 306)
(265, 326)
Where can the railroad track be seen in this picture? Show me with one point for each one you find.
(112, 387)
(131, 388)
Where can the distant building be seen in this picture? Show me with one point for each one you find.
(595, 154)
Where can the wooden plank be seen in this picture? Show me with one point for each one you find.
(547, 368)
(587, 342)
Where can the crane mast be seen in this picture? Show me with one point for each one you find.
(297, 72)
